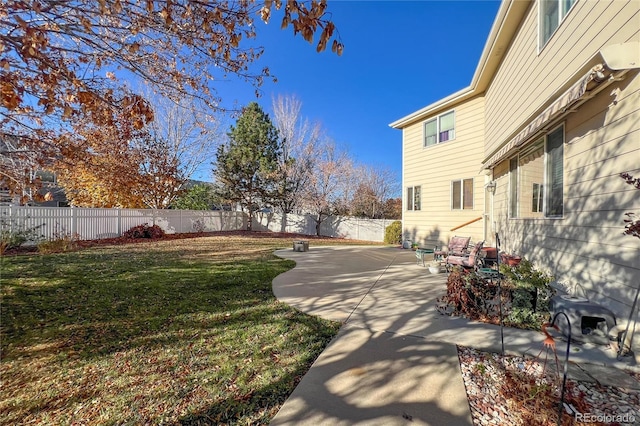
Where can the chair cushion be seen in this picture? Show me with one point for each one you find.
(458, 245)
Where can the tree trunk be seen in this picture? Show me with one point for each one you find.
(319, 221)
(283, 222)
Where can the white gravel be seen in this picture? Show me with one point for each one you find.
(484, 375)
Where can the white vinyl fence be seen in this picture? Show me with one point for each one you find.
(94, 224)
(334, 226)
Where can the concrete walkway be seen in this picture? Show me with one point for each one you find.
(395, 361)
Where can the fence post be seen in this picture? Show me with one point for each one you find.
(11, 219)
(119, 223)
(74, 220)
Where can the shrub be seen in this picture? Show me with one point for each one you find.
(144, 231)
(526, 293)
(199, 226)
(469, 295)
(61, 242)
(393, 233)
(530, 292)
(14, 233)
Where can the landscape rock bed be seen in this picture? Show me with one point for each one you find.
(495, 398)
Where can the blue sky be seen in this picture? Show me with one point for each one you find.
(399, 56)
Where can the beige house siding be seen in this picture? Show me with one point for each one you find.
(433, 168)
(586, 249)
(529, 79)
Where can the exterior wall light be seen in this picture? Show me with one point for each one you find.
(491, 186)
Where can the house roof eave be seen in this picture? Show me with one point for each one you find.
(504, 26)
(430, 109)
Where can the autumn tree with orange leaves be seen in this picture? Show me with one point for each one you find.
(147, 168)
(65, 64)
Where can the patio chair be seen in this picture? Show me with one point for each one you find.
(473, 259)
(458, 246)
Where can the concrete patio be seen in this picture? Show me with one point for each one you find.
(395, 359)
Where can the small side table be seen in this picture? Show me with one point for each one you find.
(420, 255)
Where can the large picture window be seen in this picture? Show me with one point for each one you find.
(462, 194)
(552, 12)
(536, 178)
(440, 129)
(413, 198)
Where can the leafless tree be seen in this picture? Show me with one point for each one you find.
(300, 147)
(191, 134)
(329, 183)
(374, 186)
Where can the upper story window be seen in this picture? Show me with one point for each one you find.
(552, 12)
(413, 197)
(440, 129)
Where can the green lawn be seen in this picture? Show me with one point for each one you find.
(180, 331)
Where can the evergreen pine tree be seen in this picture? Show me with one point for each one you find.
(246, 167)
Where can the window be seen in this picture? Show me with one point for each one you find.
(554, 205)
(413, 198)
(440, 129)
(536, 202)
(536, 178)
(47, 177)
(552, 12)
(431, 132)
(513, 187)
(462, 194)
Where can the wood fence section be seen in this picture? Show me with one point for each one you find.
(95, 224)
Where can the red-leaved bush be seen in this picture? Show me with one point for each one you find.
(144, 231)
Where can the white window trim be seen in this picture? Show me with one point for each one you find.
(546, 168)
(545, 183)
(462, 195)
(413, 202)
(437, 120)
(561, 17)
